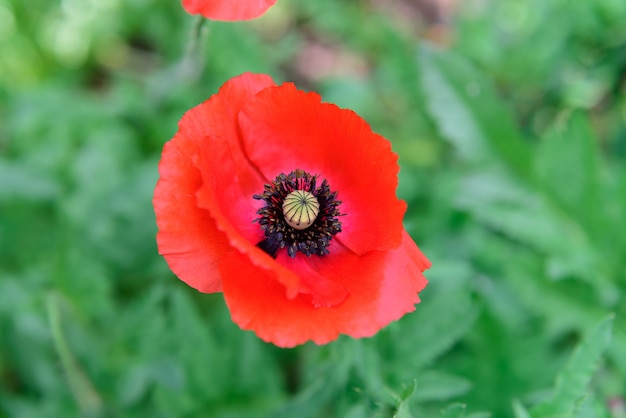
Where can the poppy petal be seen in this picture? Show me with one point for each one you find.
(284, 128)
(383, 286)
(214, 126)
(228, 177)
(228, 10)
(188, 237)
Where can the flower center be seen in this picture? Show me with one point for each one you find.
(298, 215)
(300, 209)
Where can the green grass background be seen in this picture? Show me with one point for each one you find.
(509, 117)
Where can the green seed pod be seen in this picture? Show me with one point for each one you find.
(300, 209)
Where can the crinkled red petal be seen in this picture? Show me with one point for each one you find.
(228, 10)
(188, 237)
(382, 287)
(284, 128)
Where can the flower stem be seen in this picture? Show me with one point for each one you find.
(87, 398)
(192, 63)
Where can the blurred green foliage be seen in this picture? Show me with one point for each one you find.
(511, 131)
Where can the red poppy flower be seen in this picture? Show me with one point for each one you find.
(288, 205)
(229, 10)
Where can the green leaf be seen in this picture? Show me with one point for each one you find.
(480, 414)
(440, 386)
(468, 113)
(19, 182)
(572, 382)
(367, 365)
(567, 165)
(453, 411)
(403, 400)
(513, 208)
(519, 410)
(441, 320)
(563, 311)
(309, 401)
(186, 325)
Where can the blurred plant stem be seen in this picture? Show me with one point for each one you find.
(189, 69)
(192, 63)
(88, 400)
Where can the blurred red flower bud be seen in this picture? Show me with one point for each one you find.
(228, 10)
